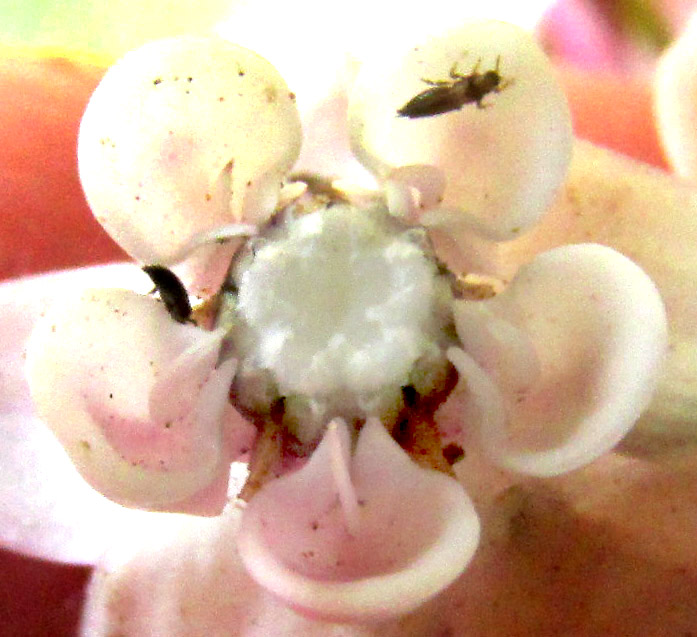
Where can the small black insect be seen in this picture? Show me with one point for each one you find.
(453, 94)
(172, 292)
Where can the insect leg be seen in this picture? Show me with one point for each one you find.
(504, 84)
(436, 82)
(454, 74)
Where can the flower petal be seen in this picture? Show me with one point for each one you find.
(182, 136)
(105, 372)
(548, 550)
(503, 163)
(46, 508)
(652, 218)
(504, 350)
(186, 578)
(410, 189)
(412, 533)
(598, 329)
(675, 88)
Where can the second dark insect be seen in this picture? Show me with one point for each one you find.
(172, 292)
(451, 95)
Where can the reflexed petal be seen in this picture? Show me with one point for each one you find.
(598, 329)
(248, 25)
(105, 372)
(675, 97)
(180, 575)
(46, 508)
(186, 578)
(411, 534)
(549, 550)
(322, 81)
(182, 136)
(504, 163)
(652, 218)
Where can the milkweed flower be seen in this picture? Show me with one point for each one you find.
(356, 332)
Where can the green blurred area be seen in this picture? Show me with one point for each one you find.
(103, 27)
(642, 20)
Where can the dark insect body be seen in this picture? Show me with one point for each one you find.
(453, 453)
(172, 292)
(453, 94)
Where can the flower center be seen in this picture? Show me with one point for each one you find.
(335, 312)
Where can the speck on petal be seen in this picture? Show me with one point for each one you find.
(503, 163)
(358, 538)
(135, 398)
(598, 329)
(182, 136)
(675, 98)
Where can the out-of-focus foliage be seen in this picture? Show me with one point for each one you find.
(106, 29)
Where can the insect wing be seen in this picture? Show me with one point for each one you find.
(432, 101)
